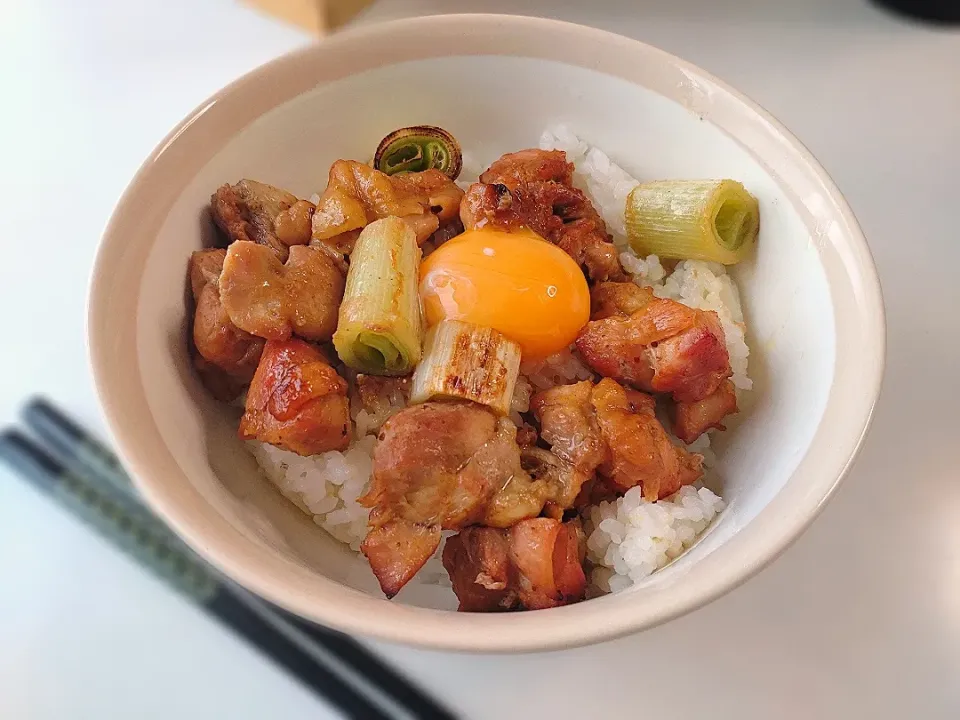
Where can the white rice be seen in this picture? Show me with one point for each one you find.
(628, 539)
(325, 486)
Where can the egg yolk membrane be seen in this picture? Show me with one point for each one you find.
(515, 282)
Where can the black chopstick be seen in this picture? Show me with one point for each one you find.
(78, 450)
(130, 529)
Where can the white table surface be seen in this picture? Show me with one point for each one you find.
(861, 618)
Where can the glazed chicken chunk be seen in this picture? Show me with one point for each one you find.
(357, 194)
(655, 344)
(251, 211)
(226, 356)
(423, 482)
(613, 431)
(535, 564)
(640, 453)
(526, 166)
(275, 300)
(532, 189)
(692, 419)
(297, 401)
(444, 466)
(612, 299)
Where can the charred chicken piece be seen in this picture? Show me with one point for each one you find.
(251, 211)
(515, 169)
(612, 299)
(535, 564)
(568, 425)
(692, 419)
(421, 484)
(614, 431)
(445, 466)
(226, 356)
(297, 401)
(639, 451)
(357, 194)
(532, 189)
(661, 346)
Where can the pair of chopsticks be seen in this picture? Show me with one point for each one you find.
(84, 477)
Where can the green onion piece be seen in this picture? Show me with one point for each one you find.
(467, 362)
(379, 328)
(419, 148)
(715, 220)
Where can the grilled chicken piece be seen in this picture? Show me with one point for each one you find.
(568, 425)
(357, 194)
(640, 453)
(664, 346)
(532, 189)
(515, 169)
(204, 269)
(444, 466)
(297, 401)
(587, 242)
(692, 419)
(397, 549)
(226, 356)
(615, 432)
(535, 564)
(275, 300)
(611, 299)
(561, 479)
(256, 212)
(423, 481)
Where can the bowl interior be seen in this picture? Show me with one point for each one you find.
(784, 289)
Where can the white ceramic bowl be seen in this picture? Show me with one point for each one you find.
(811, 295)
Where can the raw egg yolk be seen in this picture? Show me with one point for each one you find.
(515, 282)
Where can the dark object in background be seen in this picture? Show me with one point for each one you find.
(937, 11)
(120, 522)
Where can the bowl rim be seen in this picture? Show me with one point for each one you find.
(858, 370)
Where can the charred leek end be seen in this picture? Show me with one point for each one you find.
(379, 328)
(467, 362)
(419, 148)
(714, 220)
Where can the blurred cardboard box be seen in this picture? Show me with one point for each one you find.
(316, 16)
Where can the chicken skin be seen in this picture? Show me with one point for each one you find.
(226, 356)
(613, 431)
(275, 300)
(445, 466)
(692, 419)
(532, 189)
(357, 194)
(661, 346)
(533, 565)
(297, 401)
(251, 211)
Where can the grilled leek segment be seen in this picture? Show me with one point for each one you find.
(467, 362)
(379, 329)
(715, 220)
(419, 148)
